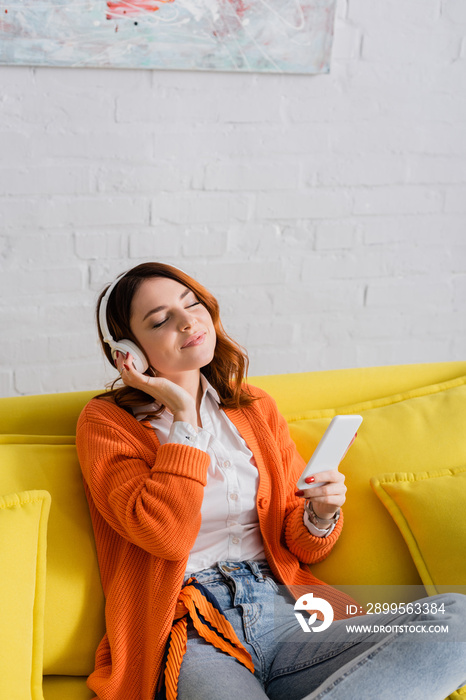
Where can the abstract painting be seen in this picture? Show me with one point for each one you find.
(277, 36)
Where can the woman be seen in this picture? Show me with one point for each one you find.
(190, 475)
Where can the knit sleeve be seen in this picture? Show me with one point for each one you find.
(309, 548)
(151, 497)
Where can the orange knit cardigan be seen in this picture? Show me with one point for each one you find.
(145, 501)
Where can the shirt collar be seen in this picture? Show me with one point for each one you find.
(207, 388)
(140, 412)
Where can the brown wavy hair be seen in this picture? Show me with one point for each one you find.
(228, 367)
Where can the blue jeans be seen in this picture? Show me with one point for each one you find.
(332, 665)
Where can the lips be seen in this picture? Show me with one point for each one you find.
(195, 339)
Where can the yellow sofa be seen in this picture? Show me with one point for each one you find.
(406, 477)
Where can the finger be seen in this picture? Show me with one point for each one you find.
(132, 377)
(346, 451)
(331, 497)
(329, 476)
(119, 360)
(129, 372)
(128, 366)
(325, 488)
(335, 498)
(324, 492)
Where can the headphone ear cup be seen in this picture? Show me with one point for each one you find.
(139, 359)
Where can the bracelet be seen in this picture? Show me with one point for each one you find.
(319, 522)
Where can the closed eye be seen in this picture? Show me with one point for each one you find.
(157, 325)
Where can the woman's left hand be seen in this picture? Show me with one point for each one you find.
(326, 499)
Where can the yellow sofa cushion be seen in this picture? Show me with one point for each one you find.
(429, 508)
(300, 392)
(419, 430)
(66, 688)
(23, 544)
(74, 605)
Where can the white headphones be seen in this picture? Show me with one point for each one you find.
(124, 345)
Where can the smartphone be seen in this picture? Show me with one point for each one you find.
(331, 449)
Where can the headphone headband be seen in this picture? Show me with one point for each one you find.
(103, 323)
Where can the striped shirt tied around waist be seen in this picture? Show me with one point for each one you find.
(198, 604)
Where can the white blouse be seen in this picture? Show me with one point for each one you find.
(230, 524)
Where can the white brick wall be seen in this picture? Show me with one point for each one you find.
(327, 213)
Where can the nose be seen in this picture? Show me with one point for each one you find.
(186, 319)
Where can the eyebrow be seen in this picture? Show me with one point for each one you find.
(161, 308)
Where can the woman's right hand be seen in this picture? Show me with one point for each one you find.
(176, 399)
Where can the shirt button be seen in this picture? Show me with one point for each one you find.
(235, 540)
(234, 496)
(227, 463)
